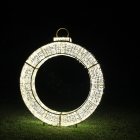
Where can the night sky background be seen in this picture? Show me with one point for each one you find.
(109, 33)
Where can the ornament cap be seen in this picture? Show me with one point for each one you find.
(67, 39)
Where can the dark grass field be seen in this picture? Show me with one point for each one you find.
(106, 123)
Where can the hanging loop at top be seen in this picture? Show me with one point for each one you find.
(63, 37)
(62, 30)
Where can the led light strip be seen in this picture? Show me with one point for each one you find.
(61, 46)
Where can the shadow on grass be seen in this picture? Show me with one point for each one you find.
(107, 124)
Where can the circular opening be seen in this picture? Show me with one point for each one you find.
(62, 83)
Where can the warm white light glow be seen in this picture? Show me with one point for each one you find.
(61, 46)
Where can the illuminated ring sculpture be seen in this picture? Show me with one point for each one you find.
(61, 46)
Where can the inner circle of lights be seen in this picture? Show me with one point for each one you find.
(61, 46)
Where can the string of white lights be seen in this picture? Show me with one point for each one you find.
(61, 46)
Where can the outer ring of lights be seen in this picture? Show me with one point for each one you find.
(28, 90)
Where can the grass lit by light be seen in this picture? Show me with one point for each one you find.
(105, 125)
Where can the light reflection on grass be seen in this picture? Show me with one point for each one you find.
(114, 125)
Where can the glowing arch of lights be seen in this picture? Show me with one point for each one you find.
(61, 46)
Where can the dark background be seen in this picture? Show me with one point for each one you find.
(109, 33)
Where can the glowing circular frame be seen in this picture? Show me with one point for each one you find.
(61, 46)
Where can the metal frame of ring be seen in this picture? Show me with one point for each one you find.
(61, 46)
